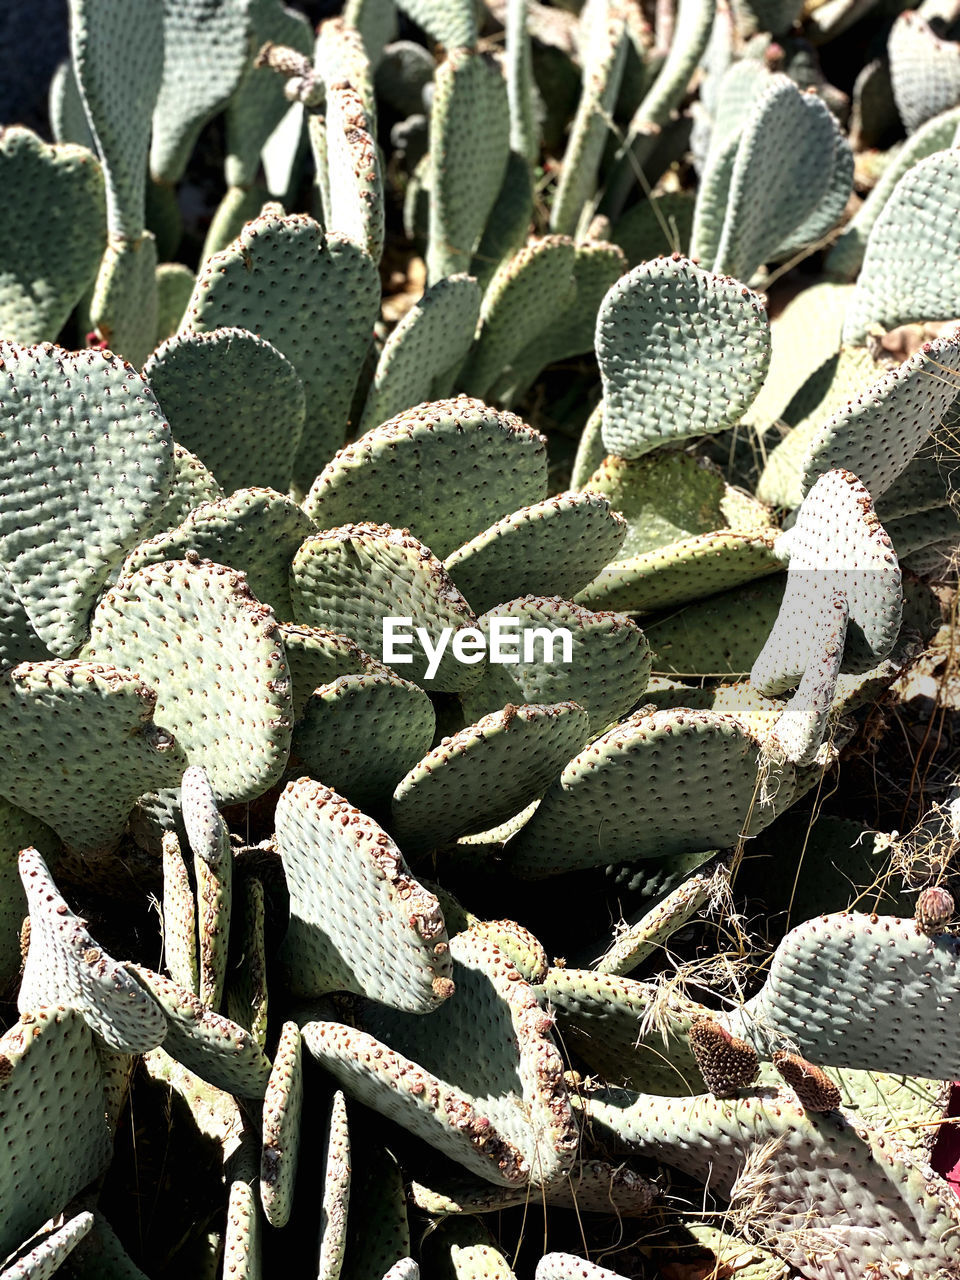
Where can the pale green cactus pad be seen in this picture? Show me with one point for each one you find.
(491, 1042)
(243, 1238)
(445, 471)
(174, 287)
(361, 734)
(526, 292)
(924, 69)
(205, 54)
(567, 1266)
(123, 306)
(908, 269)
(604, 58)
(52, 1116)
(467, 164)
(819, 973)
(212, 652)
(232, 399)
(607, 676)
(53, 231)
(192, 485)
(211, 1046)
(351, 578)
(41, 1258)
(877, 435)
(314, 296)
(316, 657)
(431, 340)
(681, 353)
(646, 935)
(76, 719)
(18, 640)
(782, 172)
(452, 23)
(114, 45)
(20, 830)
(404, 960)
(246, 997)
(65, 965)
(179, 916)
(255, 531)
(485, 774)
(379, 1228)
(213, 872)
(668, 783)
(558, 545)
(837, 547)
(684, 570)
(282, 1112)
(816, 1167)
(337, 1179)
(509, 221)
(73, 422)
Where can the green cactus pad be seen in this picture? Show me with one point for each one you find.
(255, 531)
(492, 1042)
(340, 57)
(211, 1046)
(445, 471)
(801, 727)
(20, 830)
(461, 1248)
(600, 1017)
(596, 269)
(721, 635)
(282, 1111)
(53, 232)
(670, 782)
(314, 296)
(174, 287)
(908, 272)
(526, 293)
(316, 657)
(56, 1139)
(351, 578)
(378, 1230)
(18, 640)
(114, 45)
(123, 307)
(819, 974)
(604, 56)
(508, 223)
(361, 734)
(404, 1092)
(243, 1237)
(924, 69)
(73, 423)
(232, 399)
(656, 927)
(486, 773)
(213, 871)
(837, 546)
(877, 435)
(661, 224)
(608, 674)
(337, 1179)
(205, 54)
(431, 339)
(356, 183)
(466, 164)
(567, 1266)
(65, 965)
(68, 119)
(377, 932)
(820, 222)
(681, 353)
(196, 634)
(590, 449)
(559, 544)
(452, 23)
(179, 916)
(846, 257)
(76, 719)
(819, 1166)
(684, 570)
(41, 1258)
(782, 172)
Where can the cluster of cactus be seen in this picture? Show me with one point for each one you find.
(218, 482)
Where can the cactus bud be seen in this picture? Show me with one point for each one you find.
(813, 1087)
(726, 1063)
(934, 910)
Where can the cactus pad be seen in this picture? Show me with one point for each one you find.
(212, 652)
(282, 1109)
(681, 353)
(73, 422)
(232, 399)
(378, 933)
(318, 657)
(65, 965)
(445, 471)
